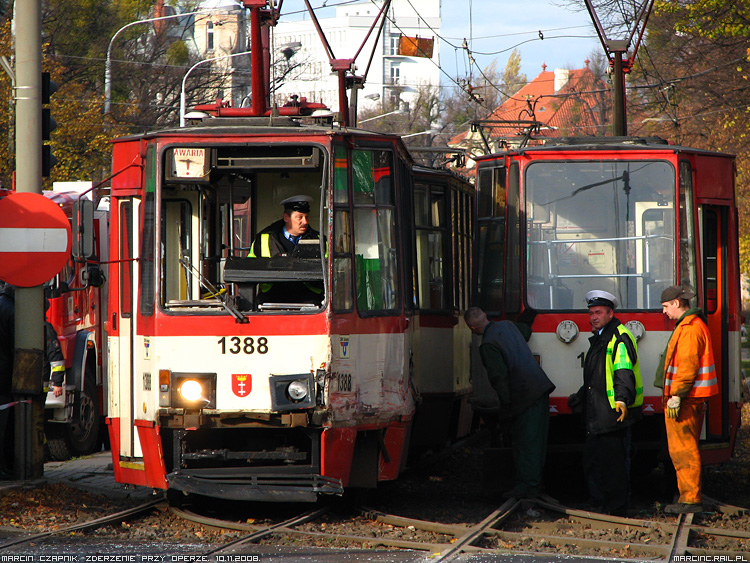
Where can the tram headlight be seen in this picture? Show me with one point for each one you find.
(292, 392)
(298, 390)
(193, 390)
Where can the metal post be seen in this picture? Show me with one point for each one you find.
(619, 49)
(29, 301)
(257, 81)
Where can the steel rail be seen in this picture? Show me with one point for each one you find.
(463, 537)
(475, 532)
(681, 537)
(284, 529)
(285, 526)
(118, 516)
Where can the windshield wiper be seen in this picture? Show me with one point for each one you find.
(238, 316)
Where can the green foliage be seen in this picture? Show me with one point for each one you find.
(512, 79)
(712, 19)
(695, 61)
(178, 54)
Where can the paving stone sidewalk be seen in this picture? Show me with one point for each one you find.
(91, 473)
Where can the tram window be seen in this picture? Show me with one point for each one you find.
(126, 254)
(241, 228)
(340, 176)
(178, 260)
(342, 262)
(467, 236)
(491, 193)
(431, 231)
(421, 214)
(687, 244)
(710, 260)
(491, 252)
(513, 288)
(375, 246)
(148, 237)
(457, 243)
(599, 225)
(376, 259)
(373, 177)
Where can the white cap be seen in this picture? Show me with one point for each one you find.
(599, 297)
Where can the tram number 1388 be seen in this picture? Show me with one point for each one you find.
(247, 345)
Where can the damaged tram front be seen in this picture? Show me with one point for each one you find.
(263, 378)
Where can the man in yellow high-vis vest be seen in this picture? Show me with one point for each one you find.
(281, 238)
(611, 397)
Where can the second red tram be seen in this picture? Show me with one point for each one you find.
(629, 216)
(219, 387)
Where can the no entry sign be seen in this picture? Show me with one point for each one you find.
(34, 239)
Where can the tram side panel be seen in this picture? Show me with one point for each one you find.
(443, 227)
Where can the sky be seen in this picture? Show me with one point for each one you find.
(495, 27)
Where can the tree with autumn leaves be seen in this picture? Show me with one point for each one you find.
(691, 85)
(149, 63)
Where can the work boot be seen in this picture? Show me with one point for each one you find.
(683, 508)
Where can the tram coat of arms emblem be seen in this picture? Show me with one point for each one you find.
(242, 384)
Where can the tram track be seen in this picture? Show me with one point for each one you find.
(545, 522)
(87, 525)
(530, 526)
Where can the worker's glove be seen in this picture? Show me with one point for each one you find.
(673, 407)
(622, 409)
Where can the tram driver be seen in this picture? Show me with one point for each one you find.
(282, 239)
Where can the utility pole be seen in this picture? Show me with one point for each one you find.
(29, 301)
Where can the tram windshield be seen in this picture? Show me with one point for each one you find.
(599, 225)
(217, 203)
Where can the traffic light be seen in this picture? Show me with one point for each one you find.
(48, 124)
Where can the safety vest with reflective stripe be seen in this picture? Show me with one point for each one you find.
(619, 358)
(678, 370)
(265, 247)
(265, 252)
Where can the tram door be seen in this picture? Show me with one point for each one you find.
(714, 221)
(125, 319)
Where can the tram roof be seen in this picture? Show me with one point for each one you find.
(583, 144)
(221, 126)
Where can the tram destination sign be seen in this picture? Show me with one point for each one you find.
(34, 239)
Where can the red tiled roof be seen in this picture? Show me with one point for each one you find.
(579, 107)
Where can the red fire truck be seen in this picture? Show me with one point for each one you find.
(77, 305)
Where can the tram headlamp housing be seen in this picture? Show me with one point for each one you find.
(292, 392)
(193, 390)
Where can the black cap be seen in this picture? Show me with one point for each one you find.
(299, 203)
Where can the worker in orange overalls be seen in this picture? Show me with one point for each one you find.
(688, 374)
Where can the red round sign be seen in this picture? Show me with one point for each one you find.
(34, 239)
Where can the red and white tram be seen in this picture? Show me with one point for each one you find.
(628, 216)
(214, 390)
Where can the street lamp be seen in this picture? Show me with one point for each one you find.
(108, 64)
(394, 112)
(182, 91)
(428, 132)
